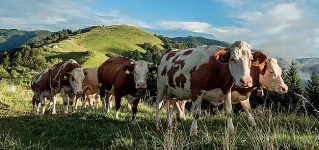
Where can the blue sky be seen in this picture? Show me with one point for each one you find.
(282, 28)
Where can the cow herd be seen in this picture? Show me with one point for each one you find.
(220, 75)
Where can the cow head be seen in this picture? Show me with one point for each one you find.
(140, 70)
(271, 79)
(238, 57)
(75, 77)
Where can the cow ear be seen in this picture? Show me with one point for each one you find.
(259, 58)
(65, 76)
(128, 69)
(222, 56)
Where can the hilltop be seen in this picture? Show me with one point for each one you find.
(90, 47)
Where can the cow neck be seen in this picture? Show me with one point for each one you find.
(255, 72)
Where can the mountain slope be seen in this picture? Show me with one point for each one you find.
(198, 41)
(90, 47)
(14, 38)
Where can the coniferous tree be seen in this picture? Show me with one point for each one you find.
(312, 91)
(294, 84)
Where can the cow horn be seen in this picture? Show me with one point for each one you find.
(132, 63)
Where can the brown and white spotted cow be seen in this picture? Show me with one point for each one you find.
(40, 86)
(91, 89)
(213, 69)
(265, 73)
(66, 78)
(123, 76)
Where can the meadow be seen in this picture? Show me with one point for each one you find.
(20, 128)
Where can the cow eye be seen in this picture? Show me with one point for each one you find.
(73, 79)
(271, 71)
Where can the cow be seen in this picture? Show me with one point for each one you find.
(123, 77)
(206, 72)
(66, 78)
(91, 89)
(265, 73)
(40, 86)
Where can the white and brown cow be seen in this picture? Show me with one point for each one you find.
(40, 86)
(91, 89)
(213, 69)
(123, 76)
(265, 73)
(66, 78)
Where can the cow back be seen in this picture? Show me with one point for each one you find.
(61, 68)
(111, 73)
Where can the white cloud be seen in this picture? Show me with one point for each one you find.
(282, 29)
(58, 14)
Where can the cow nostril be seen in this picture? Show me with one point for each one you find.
(242, 81)
(283, 89)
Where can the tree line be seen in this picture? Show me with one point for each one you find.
(21, 64)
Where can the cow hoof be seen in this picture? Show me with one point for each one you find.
(158, 127)
(193, 132)
(253, 123)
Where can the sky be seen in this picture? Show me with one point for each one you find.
(282, 28)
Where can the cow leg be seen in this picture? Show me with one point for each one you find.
(117, 104)
(91, 102)
(96, 102)
(71, 100)
(86, 98)
(42, 101)
(170, 106)
(77, 101)
(65, 100)
(180, 106)
(53, 103)
(213, 110)
(111, 101)
(246, 105)
(134, 108)
(228, 112)
(108, 102)
(159, 102)
(102, 96)
(196, 106)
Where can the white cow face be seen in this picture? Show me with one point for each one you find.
(75, 78)
(238, 58)
(271, 79)
(140, 70)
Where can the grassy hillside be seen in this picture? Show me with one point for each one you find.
(14, 38)
(101, 40)
(197, 40)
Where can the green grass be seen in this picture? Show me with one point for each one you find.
(115, 39)
(93, 129)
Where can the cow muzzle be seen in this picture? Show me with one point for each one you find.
(141, 85)
(245, 82)
(283, 89)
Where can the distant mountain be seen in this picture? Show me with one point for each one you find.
(198, 41)
(13, 38)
